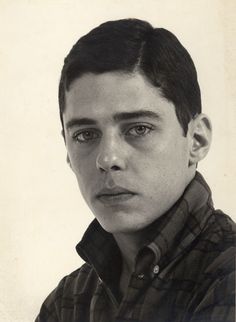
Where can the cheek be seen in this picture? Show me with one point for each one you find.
(80, 161)
(162, 160)
(176, 150)
(83, 170)
(84, 167)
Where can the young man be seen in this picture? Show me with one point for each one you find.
(130, 108)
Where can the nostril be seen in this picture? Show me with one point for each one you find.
(115, 168)
(109, 162)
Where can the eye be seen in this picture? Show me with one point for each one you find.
(87, 135)
(139, 130)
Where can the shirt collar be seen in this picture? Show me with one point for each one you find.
(167, 238)
(181, 225)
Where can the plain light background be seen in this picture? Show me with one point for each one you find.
(42, 213)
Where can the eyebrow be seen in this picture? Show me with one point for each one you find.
(136, 114)
(80, 121)
(123, 116)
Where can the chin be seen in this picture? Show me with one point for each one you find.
(123, 227)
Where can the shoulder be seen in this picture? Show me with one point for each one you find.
(214, 256)
(220, 232)
(72, 288)
(74, 282)
(217, 242)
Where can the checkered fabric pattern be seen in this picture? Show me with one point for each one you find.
(184, 273)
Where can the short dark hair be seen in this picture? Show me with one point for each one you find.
(130, 45)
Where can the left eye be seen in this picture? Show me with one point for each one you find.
(139, 130)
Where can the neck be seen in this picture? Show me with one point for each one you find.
(129, 245)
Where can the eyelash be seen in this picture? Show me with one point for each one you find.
(147, 129)
(75, 136)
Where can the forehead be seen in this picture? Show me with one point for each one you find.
(103, 95)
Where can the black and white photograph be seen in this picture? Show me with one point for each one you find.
(118, 161)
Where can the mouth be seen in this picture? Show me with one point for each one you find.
(114, 196)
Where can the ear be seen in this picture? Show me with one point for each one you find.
(200, 134)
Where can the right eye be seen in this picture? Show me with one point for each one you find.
(87, 135)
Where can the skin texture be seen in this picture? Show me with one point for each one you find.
(147, 155)
(128, 152)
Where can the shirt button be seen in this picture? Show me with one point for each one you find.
(99, 280)
(141, 276)
(156, 269)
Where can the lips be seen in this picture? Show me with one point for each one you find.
(115, 195)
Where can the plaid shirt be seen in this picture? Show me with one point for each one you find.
(185, 272)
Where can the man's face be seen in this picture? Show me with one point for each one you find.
(126, 148)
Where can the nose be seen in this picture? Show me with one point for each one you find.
(111, 155)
